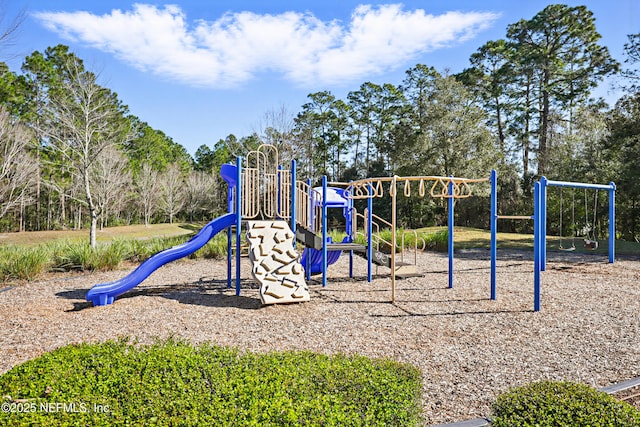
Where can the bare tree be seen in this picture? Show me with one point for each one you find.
(82, 120)
(172, 196)
(276, 129)
(200, 193)
(9, 28)
(17, 167)
(148, 191)
(110, 179)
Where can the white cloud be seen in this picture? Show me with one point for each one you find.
(238, 46)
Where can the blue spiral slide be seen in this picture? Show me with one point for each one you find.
(105, 293)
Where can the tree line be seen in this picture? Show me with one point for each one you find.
(74, 156)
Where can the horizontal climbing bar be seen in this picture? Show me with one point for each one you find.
(400, 179)
(442, 187)
(515, 216)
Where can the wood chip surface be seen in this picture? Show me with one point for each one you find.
(468, 347)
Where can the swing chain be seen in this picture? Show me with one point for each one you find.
(573, 244)
(590, 243)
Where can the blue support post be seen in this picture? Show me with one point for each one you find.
(494, 232)
(350, 233)
(238, 219)
(324, 230)
(537, 241)
(293, 200)
(612, 222)
(450, 227)
(544, 183)
(370, 234)
(230, 209)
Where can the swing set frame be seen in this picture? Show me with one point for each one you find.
(540, 225)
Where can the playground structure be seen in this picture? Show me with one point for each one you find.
(277, 207)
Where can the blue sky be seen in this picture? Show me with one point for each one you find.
(201, 70)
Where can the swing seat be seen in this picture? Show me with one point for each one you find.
(591, 244)
(569, 249)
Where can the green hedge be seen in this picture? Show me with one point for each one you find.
(175, 383)
(562, 404)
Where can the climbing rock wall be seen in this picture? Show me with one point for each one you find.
(276, 265)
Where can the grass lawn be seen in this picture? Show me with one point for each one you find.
(140, 231)
(469, 238)
(465, 238)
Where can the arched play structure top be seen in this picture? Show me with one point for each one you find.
(264, 194)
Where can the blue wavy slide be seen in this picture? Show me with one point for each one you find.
(105, 293)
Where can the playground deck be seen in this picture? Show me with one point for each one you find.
(468, 347)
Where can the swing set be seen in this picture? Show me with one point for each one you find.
(539, 218)
(540, 225)
(590, 238)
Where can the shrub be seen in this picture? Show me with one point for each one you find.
(216, 248)
(438, 241)
(138, 250)
(174, 383)
(22, 263)
(72, 256)
(560, 404)
(109, 256)
(81, 256)
(161, 243)
(27, 264)
(435, 241)
(5, 258)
